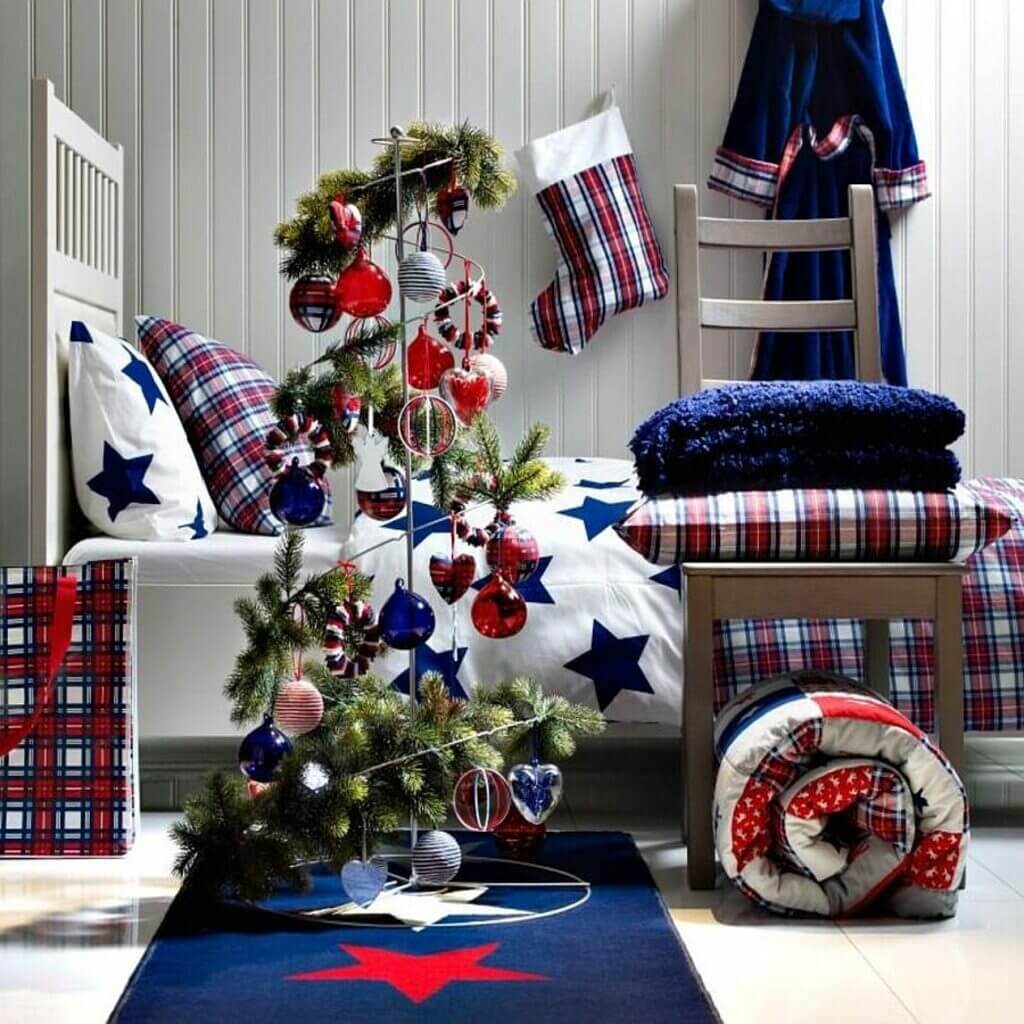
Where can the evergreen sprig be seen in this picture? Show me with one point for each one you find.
(308, 238)
(287, 616)
(477, 472)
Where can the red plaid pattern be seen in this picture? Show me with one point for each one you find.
(815, 525)
(758, 181)
(741, 177)
(610, 257)
(993, 625)
(68, 788)
(223, 399)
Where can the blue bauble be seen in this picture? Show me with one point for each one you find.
(261, 751)
(297, 497)
(406, 620)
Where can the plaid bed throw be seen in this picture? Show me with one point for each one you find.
(993, 628)
(69, 787)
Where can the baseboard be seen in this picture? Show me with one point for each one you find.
(631, 763)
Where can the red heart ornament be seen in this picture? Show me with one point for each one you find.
(452, 576)
(469, 391)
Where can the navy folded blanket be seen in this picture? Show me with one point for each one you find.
(777, 434)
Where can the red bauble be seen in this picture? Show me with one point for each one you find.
(347, 222)
(482, 799)
(427, 359)
(427, 425)
(313, 303)
(386, 504)
(519, 839)
(469, 391)
(499, 610)
(512, 551)
(363, 289)
(299, 707)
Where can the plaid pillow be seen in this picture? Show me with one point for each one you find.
(223, 398)
(815, 526)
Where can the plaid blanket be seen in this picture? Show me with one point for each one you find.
(993, 601)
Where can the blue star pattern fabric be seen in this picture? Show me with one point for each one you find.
(139, 371)
(121, 482)
(603, 485)
(597, 516)
(531, 589)
(670, 577)
(429, 660)
(613, 664)
(135, 474)
(427, 520)
(198, 524)
(586, 573)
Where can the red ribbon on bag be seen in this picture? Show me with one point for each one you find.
(60, 640)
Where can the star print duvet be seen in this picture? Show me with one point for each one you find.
(603, 625)
(828, 801)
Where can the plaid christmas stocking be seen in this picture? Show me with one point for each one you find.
(584, 177)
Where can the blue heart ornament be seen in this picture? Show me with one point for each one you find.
(364, 880)
(536, 790)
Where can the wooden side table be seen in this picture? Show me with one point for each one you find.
(873, 591)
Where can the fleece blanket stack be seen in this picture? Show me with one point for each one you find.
(792, 434)
(828, 801)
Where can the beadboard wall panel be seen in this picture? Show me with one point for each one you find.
(228, 108)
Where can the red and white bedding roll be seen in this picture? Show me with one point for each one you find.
(828, 799)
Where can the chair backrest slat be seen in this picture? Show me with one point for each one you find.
(694, 312)
(772, 235)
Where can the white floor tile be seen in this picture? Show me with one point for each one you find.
(72, 931)
(962, 970)
(1001, 851)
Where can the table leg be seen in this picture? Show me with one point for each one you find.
(949, 674)
(876, 655)
(698, 754)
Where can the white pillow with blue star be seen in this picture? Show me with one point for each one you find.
(136, 476)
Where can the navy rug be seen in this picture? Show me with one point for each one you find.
(615, 957)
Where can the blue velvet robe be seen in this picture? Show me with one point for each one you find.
(821, 106)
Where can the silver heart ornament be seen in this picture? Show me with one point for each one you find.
(363, 880)
(536, 790)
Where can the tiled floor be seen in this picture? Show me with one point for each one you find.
(71, 934)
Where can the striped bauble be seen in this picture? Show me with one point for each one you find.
(421, 276)
(299, 707)
(495, 370)
(436, 858)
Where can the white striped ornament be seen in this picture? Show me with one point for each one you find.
(421, 277)
(436, 858)
(494, 369)
(299, 707)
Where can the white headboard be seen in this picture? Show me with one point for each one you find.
(77, 273)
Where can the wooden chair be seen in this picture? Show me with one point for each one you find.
(874, 592)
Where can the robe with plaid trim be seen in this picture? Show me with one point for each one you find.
(821, 106)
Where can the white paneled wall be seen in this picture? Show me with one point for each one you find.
(228, 108)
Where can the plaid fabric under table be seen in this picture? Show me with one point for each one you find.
(69, 787)
(993, 628)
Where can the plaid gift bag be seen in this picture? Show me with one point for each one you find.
(68, 740)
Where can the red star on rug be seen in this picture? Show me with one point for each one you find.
(418, 977)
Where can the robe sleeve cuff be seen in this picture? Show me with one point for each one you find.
(895, 189)
(742, 177)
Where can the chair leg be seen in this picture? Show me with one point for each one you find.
(949, 674)
(698, 754)
(876, 655)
